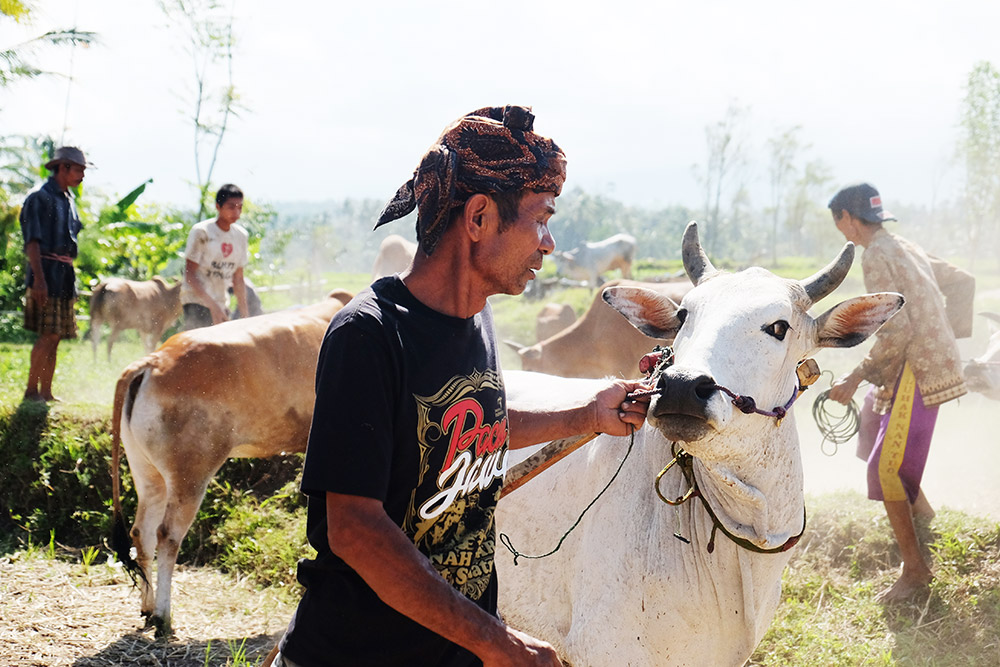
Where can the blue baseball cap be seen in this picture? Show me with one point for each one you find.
(862, 201)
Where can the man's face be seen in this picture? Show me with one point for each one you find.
(69, 174)
(846, 226)
(510, 258)
(230, 211)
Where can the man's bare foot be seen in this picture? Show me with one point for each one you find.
(906, 587)
(49, 398)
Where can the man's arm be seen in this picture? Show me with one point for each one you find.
(607, 411)
(240, 290)
(39, 288)
(191, 276)
(362, 534)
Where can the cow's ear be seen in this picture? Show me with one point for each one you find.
(852, 321)
(650, 312)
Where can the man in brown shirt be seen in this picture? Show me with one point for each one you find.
(914, 366)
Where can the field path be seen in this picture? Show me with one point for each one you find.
(53, 614)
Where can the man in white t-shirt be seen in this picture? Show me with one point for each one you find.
(217, 250)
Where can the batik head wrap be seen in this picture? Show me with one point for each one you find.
(489, 151)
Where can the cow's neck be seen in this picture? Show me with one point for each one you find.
(757, 494)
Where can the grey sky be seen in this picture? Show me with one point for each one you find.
(345, 97)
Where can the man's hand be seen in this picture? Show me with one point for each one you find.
(843, 389)
(219, 315)
(615, 414)
(520, 649)
(39, 290)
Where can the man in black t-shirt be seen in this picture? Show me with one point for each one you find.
(411, 428)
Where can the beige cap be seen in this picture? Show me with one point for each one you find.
(68, 154)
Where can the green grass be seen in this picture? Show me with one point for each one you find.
(828, 615)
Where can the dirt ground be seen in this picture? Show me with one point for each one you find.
(54, 613)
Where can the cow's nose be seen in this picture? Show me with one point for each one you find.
(684, 391)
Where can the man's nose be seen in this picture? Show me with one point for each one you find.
(547, 243)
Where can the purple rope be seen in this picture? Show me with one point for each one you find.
(747, 405)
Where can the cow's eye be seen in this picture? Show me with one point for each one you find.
(777, 329)
(682, 314)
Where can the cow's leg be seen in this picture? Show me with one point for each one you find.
(626, 268)
(182, 506)
(148, 342)
(95, 333)
(112, 337)
(151, 490)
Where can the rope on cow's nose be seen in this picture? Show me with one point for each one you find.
(505, 539)
(835, 428)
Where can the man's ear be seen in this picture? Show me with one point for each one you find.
(474, 214)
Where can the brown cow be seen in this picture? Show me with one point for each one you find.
(394, 254)
(240, 388)
(553, 318)
(599, 344)
(149, 306)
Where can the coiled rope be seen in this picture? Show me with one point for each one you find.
(836, 427)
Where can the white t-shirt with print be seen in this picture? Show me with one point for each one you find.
(218, 254)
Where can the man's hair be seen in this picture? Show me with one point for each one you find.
(508, 206)
(227, 192)
(838, 213)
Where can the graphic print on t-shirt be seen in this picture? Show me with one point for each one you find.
(463, 455)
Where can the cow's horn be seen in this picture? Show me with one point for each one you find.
(828, 279)
(696, 262)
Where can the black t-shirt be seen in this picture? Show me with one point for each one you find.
(410, 410)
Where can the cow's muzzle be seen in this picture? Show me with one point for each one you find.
(682, 410)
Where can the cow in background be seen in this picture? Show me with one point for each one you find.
(620, 589)
(254, 306)
(590, 260)
(553, 318)
(600, 343)
(982, 374)
(239, 388)
(394, 254)
(149, 306)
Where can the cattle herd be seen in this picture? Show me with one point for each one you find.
(180, 412)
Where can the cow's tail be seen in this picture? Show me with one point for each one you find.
(96, 311)
(121, 541)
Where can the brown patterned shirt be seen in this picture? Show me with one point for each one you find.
(919, 333)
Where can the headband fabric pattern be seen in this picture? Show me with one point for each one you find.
(489, 151)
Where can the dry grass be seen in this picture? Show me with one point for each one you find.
(54, 612)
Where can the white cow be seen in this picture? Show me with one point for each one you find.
(590, 260)
(622, 589)
(983, 373)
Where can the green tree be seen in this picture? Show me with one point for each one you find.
(209, 42)
(783, 149)
(724, 172)
(979, 148)
(15, 60)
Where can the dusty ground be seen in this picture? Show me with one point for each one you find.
(53, 613)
